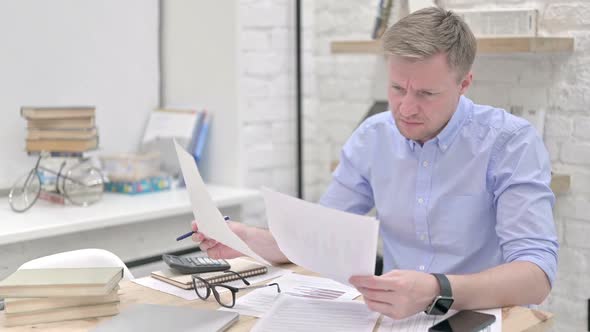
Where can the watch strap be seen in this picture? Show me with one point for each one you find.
(444, 284)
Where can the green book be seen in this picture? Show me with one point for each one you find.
(59, 282)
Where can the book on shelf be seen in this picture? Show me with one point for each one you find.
(62, 145)
(146, 185)
(52, 196)
(57, 112)
(61, 282)
(61, 314)
(200, 139)
(245, 267)
(166, 125)
(30, 304)
(49, 124)
(35, 133)
(382, 18)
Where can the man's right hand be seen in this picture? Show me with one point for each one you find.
(217, 250)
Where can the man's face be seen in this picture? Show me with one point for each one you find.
(423, 95)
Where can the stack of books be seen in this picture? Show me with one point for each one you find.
(60, 129)
(36, 296)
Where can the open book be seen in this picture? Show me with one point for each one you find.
(245, 267)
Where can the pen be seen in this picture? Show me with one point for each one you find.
(184, 236)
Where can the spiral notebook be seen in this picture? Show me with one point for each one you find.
(245, 267)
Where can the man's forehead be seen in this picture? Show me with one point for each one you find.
(422, 73)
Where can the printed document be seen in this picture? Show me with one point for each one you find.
(208, 217)
(332, 243)
(303, 314)
(258, 302)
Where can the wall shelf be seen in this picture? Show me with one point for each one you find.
(45, 219)
(560, 183)
(494, 45)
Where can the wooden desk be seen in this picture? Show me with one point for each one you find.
(514, 319)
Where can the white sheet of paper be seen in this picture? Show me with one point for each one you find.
(332, 243)
(258, 302)
(421, 322)
(302, 314)
(208, 217)
(189, 294)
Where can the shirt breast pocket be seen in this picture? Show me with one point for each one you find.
(461, 224)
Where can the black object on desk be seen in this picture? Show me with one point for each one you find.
(464, 321)
(196, 264)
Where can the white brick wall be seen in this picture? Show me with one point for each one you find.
(337, 93)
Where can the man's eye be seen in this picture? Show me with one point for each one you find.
(426, 93)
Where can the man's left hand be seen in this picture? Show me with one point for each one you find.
(399, 293)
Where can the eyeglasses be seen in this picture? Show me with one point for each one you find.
(205, 289)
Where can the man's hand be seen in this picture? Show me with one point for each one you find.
(399, 293)
(215, 249)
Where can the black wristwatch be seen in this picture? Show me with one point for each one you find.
(442, 303)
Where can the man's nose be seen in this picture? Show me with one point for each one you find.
(408, 105)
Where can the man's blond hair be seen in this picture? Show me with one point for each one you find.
(430, 31)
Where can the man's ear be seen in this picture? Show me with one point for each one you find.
(466, 82)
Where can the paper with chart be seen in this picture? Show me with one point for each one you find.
(258, 302)
(421, 322)
(332, 243)
(302, 314)
(208, 217)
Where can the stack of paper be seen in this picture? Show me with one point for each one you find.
(302, 314)
(258, 302)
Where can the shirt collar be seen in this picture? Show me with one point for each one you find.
(450, 131)
(447, 135)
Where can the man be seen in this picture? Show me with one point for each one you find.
(461, 190)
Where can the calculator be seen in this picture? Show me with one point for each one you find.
(196, 264)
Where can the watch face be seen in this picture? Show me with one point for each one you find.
(441, 306)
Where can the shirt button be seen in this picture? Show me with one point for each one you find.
(425, 163)
(422, 237)
(421, 267)
(420, 200)
(444, 146)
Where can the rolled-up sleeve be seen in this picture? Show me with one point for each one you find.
(520, 173)
(350, 189)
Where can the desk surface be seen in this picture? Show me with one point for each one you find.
(513, 319)
(45, 219)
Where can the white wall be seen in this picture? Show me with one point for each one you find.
(68, 52)
(200, 70)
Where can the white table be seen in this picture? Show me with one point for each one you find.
(133, 227)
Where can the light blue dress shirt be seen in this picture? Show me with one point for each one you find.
(475, 196)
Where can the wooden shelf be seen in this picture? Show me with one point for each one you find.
(494, 45)
(560, 183)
